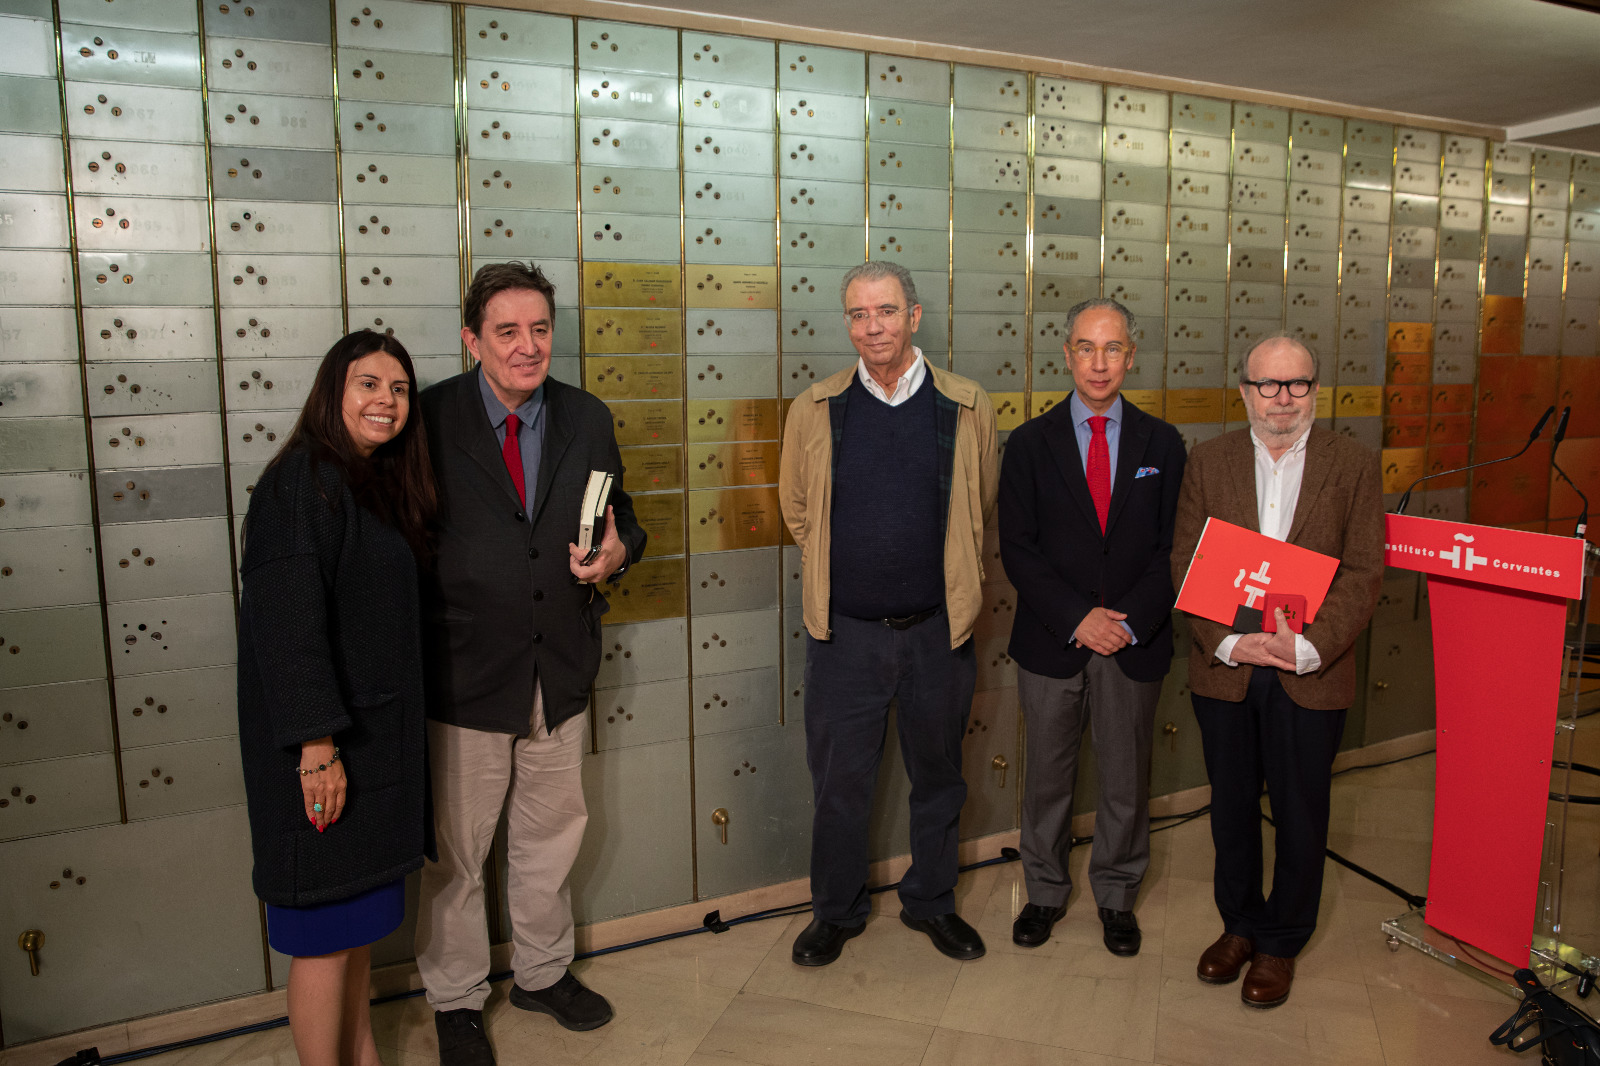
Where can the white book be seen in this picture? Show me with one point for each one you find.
(592, 516)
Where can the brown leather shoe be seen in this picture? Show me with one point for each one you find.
(1221, 962)
(1266, 983)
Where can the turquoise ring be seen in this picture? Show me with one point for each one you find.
(317, 807)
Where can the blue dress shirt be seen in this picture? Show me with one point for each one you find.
(530, 430)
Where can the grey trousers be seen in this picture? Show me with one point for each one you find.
(537, 780)
(1121, 714)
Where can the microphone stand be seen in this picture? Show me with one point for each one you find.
(1560, 433)
(1405, 497)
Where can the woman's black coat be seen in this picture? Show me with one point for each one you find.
(329, 644)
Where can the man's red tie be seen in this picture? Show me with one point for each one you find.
(512, 453)
(1099, 469)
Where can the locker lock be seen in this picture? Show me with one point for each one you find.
(1380, 685)
(719, 818)
(31, 941)
(1000, 766)
(1170, 731)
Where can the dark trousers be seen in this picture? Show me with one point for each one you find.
(1269, 738)
(850, 681)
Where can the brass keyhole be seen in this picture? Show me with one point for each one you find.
(31, 941)
(1170, 731)
(1000, 766)
(719, 818)
(1380, 685)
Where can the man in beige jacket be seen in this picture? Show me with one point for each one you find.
(889, 472)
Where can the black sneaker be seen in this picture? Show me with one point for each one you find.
(567, 1001)
(462, 1039)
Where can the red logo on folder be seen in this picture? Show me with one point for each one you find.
(1234, 567)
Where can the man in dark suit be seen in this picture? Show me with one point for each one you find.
(512, 638)
(1271, 706)
(1088, 495)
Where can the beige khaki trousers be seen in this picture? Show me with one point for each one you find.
(536, 780)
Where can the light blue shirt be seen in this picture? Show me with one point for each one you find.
(530, 430)
(1080, 423)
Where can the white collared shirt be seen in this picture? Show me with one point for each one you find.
(1277, 492)
(904, 388)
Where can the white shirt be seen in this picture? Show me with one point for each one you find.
(904, 388)
(1277, 492)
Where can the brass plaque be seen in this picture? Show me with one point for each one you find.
(1043, 401)
(1195, 405)
(1402, 466)
(728, 465)
(728, 420)
(647, 422)
(1401, 400)
(1358, 401)
(1410, 337)
(733, 286)
(634, 377)
(1410, 368)
(631, 285)
(651, 589)
(1450, 429)
(617, 332)
(726, 519)
(1451, 399)
(1406, 431)
(1324, 403)
(1009, 412)
(1147, 400)
(1234, 408)
(660, 515)
(1502, 325)
(652, 468)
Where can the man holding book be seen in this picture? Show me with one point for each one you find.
(1271, 705)
(512, 639)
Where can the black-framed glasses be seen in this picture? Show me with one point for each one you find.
(860, 317)
(1268, 387)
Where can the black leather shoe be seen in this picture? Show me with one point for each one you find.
(462, 1041)
(568, 1001)
(949, 934)
(1122, 931)
(1033, 925)
(821, 942)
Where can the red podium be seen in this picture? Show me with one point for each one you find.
(1498, 603)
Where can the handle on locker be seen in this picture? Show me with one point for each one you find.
(1170, 731)
(719, 818)
(1001, 766)
(31, 941)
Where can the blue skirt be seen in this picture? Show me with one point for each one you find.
(325, 928)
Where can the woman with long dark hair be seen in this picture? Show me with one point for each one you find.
(330, 685)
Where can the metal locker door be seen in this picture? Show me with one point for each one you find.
(171, 634)
(1070, 99)
(813, 67)
(637, 652)
(48, 567)
(747, 699)
(651, 713)
(153, 559)
(718, 105)
(58, 499)
(164, 708)
(55, 721)
(79, 889)
(636, 852)
(991, 764)
(56, 795)
(193, 775)
(752, 808)
(50, 645)
(794, 660)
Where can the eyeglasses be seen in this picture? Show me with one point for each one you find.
(1114, 353)
(1268, 387)
(882, 314)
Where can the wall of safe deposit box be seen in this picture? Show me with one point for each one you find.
(196, 200)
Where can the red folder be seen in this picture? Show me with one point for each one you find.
(1234, 567)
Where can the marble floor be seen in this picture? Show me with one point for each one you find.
(891, 1000)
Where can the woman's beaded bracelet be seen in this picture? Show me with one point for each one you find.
(307, 773)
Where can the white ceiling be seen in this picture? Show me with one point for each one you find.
(1504, 63)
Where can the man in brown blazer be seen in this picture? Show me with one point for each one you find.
(1271, 706)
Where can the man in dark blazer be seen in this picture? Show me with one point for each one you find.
(1088, 495)
(512, 641)
(1271, 706)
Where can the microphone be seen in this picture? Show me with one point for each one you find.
(1405, 497)
(1561, 432)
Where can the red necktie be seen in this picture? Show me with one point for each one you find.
(511, 451)
(1099, 469)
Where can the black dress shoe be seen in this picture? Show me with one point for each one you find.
(949, 934)
(462, 1041)
(1033, 925)
(1122, 931)
(568, 1001)
(821, 942)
